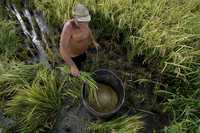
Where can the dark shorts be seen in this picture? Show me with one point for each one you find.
(78, 60)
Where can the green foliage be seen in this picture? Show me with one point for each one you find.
(3, 12)
(186, 114)
(20, 4)
(167, 31)
(124, 124)
(56, 11)
(183, 102)
(9, 39)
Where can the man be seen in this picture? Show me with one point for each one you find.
(75, 38)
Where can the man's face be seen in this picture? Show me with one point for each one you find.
(79, 23)
(83, 23)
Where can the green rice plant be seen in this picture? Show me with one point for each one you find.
(186, 117)
(73, 89)
(124, 124)
(175, 128)
(183, 102)
(9, 39)
(21, 4)
(36, 105)
(56, 11)
(167, 32)
(3, 12)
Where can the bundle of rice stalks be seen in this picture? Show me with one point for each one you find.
(84, 78)
(16, 72)
(36, 105)
(13, 75)
(124, 124)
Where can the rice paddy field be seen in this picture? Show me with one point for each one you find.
(153, 46)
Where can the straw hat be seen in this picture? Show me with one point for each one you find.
(81, 13)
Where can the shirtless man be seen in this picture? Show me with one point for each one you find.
(75, 38)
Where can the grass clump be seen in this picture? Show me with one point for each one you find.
(167, 31)
(185, 112)
(124, 124)
(186, 115)
(183, 102)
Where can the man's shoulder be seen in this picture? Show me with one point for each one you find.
(68, 24)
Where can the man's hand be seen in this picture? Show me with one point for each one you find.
(96, 45)
(74, 71)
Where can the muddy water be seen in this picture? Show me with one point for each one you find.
(107, 99)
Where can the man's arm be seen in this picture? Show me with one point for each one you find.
(93, 40)
(64, 44)
(64, 49)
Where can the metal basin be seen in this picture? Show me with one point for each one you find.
(106, 77)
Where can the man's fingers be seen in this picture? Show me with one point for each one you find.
(98, 47)
(76, 74)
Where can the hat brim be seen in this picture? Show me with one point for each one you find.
(83, 19)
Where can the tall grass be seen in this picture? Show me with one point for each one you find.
(186, 114)
(56, 11)
(185, 110)
(9, 39)
(183, 102)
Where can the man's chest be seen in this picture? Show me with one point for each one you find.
(81, 34)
